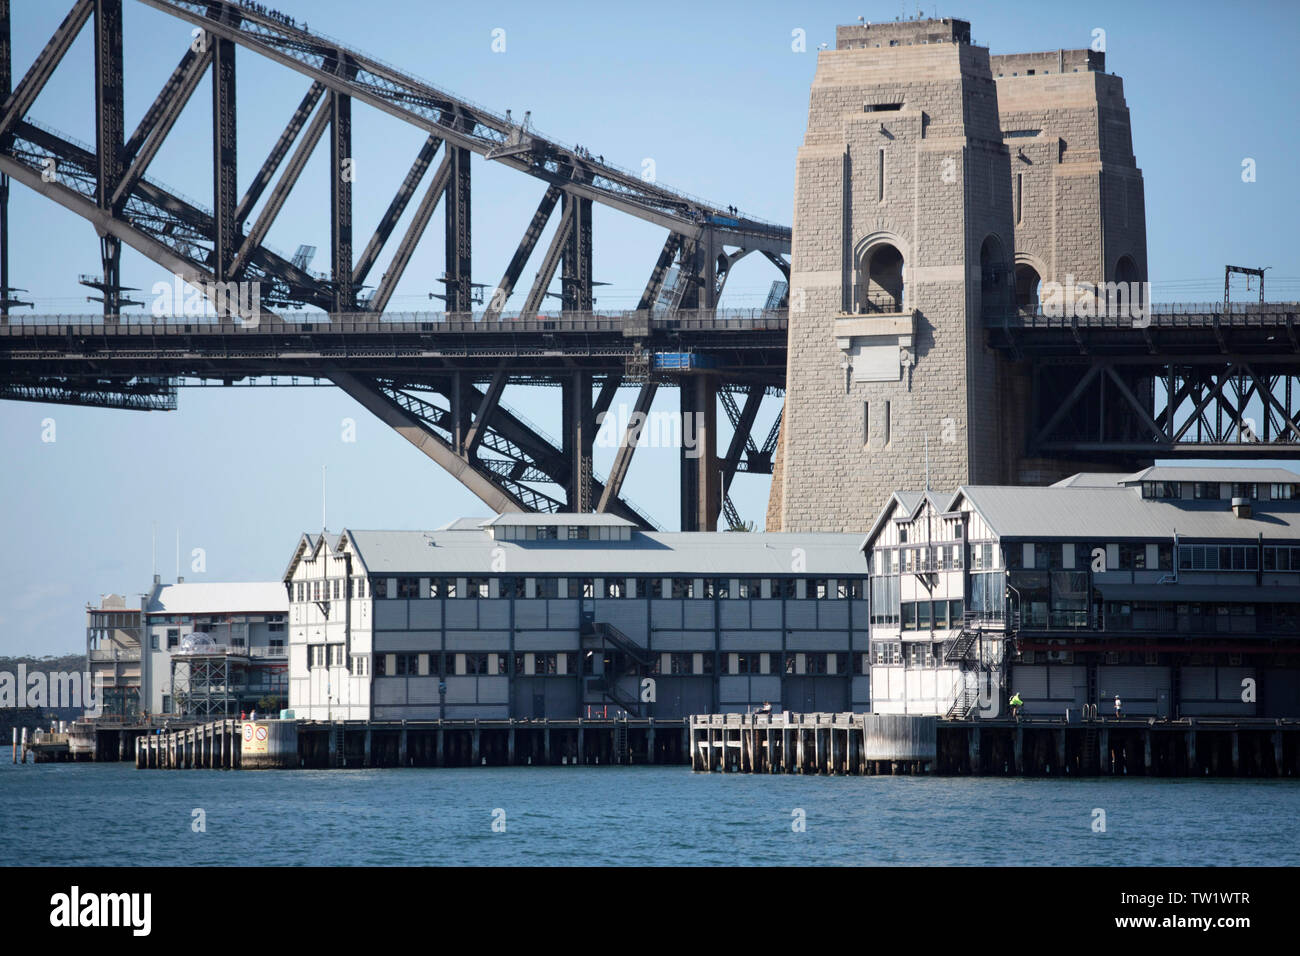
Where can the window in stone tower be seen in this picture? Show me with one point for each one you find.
(1020, 198)
(880, 182)
(886, 423)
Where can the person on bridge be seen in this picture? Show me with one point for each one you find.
(1016, 703)
(1117, 712)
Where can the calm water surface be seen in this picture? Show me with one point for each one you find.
(112, 814)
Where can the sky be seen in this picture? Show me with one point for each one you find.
(715, 94)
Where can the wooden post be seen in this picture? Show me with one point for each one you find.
(401, 746)
(582, 753)
(440, 755)
(1060, 752)
(650, 742)
(510, 745)
(1103, 743)
(366, 761)
(546, 743)
(1019, 753)
(1236, 752)
(1146, 751)
(1277, 752)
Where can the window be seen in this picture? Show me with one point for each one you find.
(816, 589)
(408, 665)
(476, 587)
(1132, 557)
(1162, 489)
(955, 613)
(548, 587)
(784, 588)
(721, 587)
(1281, 492)
(882, 107)
(586, 588)
(408, 587)
(1203, 557)
(579, 532)
(887, 652)
(1206, 489)
(750, 588)
(336, 655)
(909, 616)
(153, 642)
(513, 587)
(647, 587)
(615, 587)
(361, 665)
(173, 637)
(276, 644)
(546, 533)
(683, 587)
(316, 655)
(379, 587)
(1245, 490)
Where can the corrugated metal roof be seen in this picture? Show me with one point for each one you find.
(1116, 514)
(251, 597)
(662, 554)
(1227, 474)
(1092, 479)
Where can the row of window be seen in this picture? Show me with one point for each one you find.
(925, 615)
(517, 587)
(439, 664)
(1217, 489)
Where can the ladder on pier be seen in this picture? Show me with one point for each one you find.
(622, 749)
(1090, 760)
(337, 744)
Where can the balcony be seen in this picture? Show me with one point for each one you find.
(113, 654)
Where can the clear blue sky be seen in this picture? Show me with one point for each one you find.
(712, 93)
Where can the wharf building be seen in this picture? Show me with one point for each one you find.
(937, 186)
(569, 615)
(196, 650)
(1176, 589)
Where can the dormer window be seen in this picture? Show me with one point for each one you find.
(1162, 489)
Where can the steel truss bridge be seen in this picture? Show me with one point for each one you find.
(1098, 388)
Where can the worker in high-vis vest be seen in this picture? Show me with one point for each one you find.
(1016, 704)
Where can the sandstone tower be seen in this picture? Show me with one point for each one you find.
(919, 173)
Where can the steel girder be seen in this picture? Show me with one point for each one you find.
(471, 127)
(1226, 408)
(498, 456)
(109, 187)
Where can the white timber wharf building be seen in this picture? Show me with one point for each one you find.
(200, 650)
(1176, 589)
(570, 615)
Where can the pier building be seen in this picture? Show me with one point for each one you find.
(1175, 589)
(201, 650)
(573, 615)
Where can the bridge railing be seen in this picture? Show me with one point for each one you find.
(367, 323)
(1157, 315)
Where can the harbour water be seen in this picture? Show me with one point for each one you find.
(111, 814)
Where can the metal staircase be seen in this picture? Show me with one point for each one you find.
(639, 656)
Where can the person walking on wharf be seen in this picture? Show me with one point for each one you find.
(1016, 704)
